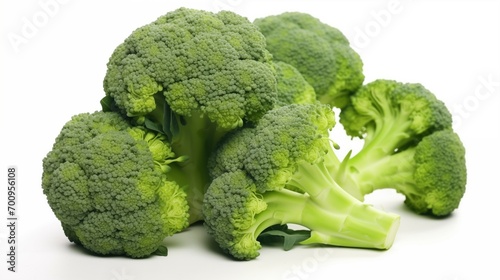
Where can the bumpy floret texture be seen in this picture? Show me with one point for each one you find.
(214, 64)
(232, 197)
(320, 52)
(292, 88)
(106, 189)
(440, 183)
(285, 137)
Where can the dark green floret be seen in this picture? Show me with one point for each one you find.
(320, 52)
(107, 183)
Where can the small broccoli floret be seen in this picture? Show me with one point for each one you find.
(288, 151)
(194, 76)
(107, 184)
(409, 146)
(292, 88)
(320, 52)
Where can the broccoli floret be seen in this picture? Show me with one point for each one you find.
(108, 184)
(292, 88)
(194, 76)
(320, 52)
(289, 148)
(408, 145)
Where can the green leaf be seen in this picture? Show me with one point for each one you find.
(170, 126)
(149, 124)
(161, 251)
(283, 235)
(107, 104)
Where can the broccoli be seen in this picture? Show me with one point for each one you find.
(251, 188)
(409, 145)
(320, 52)
(292, 88)
(194, 76)
(108, 184)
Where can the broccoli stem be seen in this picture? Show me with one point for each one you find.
(352, 224)
(379, 164)
(336, 217)
(192, 138)
(196, 138)
(390, 131)
(391, 172)
(366, 172)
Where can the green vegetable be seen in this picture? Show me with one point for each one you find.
(108, 184)
(320, 52)
(288, 151)
(209, 117)
(193, 76)
(409, 146)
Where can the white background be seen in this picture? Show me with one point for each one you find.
(53, 61)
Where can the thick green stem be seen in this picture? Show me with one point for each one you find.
(196, 138)
(394, 171)
(379, 164)
(192, 138)
(354, 224)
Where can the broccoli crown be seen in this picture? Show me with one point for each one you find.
(285, 137)
(103, 183)
(229, 208)
(440, 174)
(215, 65)
(393, 114)
(292, 88)
(320, 52)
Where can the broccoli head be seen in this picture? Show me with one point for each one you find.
(283, 179)
(320, 52)
(409, 145)
(194, 76)
(107, 183)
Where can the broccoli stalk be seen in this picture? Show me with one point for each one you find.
(336, 217)
(237, 214)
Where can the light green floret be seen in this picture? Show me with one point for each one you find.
(289, 151)
(320, 52)
(409, 146)
(292, 88)
(107, 183)
(194, 76)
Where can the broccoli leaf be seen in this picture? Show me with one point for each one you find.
(282, 234)
(161, 251)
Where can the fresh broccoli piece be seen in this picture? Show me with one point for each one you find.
(409, 146)
(194, 76)
(108, 184)
(320, 52)
(251, 193)
(292, 88)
